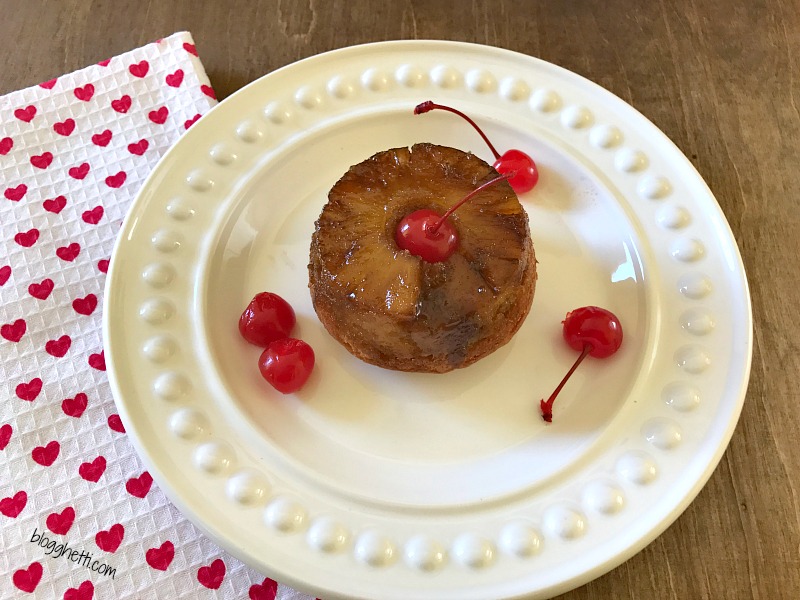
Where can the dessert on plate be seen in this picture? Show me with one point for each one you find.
(398, 307)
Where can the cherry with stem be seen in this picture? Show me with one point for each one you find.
(547, 405)
(431, 236)
(524, 176)
(593, 331)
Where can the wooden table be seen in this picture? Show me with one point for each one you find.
(722, 79)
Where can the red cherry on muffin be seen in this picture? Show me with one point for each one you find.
(286, 364)
(267, 318)
(524, 174)
(429, 235)
(592, 331)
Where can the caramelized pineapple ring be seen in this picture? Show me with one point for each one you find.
(393, 309)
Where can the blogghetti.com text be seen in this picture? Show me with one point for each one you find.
(82, 557)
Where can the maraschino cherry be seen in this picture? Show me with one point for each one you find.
(524, 176)
(429, 235)
(286, 364)
(267, 318)
(592, 331)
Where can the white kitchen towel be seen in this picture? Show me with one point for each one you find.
(80, 517)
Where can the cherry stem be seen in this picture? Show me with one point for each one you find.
(469, 196)
(428, 106)
(547, 407)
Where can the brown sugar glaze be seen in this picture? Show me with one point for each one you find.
(393, 309)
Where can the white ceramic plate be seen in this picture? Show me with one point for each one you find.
(380, 485)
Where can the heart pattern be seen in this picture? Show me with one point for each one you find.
(212, 575)
(6, 144)
(27, 579)
(58, 347)
(74, 407)
(85, 591)
(266, 590)
(80, 171)
(98, 361)
(85, 93)
(139, 486)
(12, 506)
(30, 390)
(85, 305)
(121, 105)
(65, 128)
(208, 91)
(5, 434)
(104, 137)
(159, 116)
(115, 423)
(74, 151)
(115, 181)
(160, 558)
(70, 252)
(175, 79)
(25, 114)
(139, 147)
(139, 69)
(189, 122)
(28, 238)
(61, 523)
(110, 540)
(43, 160)
(13, 332)
(16, 193)
(41, 290)
(92, 217)
(46, 455)
(55, 205)
(92, 471)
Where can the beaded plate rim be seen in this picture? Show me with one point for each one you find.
(581, 110)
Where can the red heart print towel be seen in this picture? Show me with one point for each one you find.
(81, 516)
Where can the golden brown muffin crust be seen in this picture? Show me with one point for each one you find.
(394, 310)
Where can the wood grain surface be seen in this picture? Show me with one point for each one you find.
(719, 78)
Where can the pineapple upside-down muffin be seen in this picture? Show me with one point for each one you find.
(390, 307)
